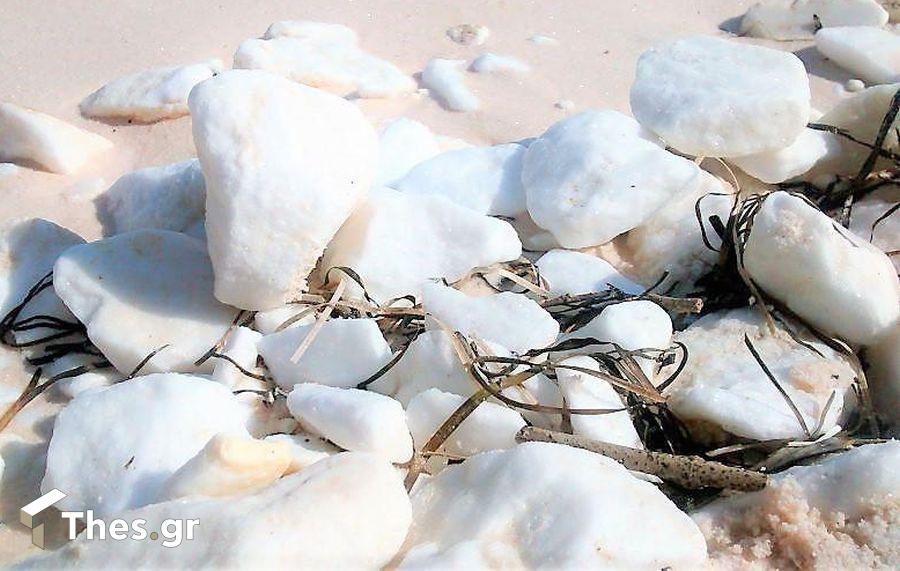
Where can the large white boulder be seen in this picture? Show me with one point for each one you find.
(139, 291)
(724, 387)
(170, 197)
(871, 54)
(302, 521)
(325, 56)
(485, 179)
(30, 136)
(114, 449)
(574, 273)
(151, 95)
(672, 241)
(547, 506)
(712, 97)
(511, 320)
(398, 242)
(583, 390)
(830, 277)
(586, 179)
(28, 250)
(794, 19)
(402, 144)
(344, 353)
(772, 167)
(284, 165)
(355, 420)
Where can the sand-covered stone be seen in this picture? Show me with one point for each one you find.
(355, 420)
(34, 138)
(712, 97)
(871, 54)
(344, 353)
(139, 291)
(397, 243)
(574, 273)
(284, 165)
(586, 178)
(402, 144)
(546, 505)
(114, 449)
(485, 179)
(325, 56)
(795, 19)
(830, 277)
(149, 96)
(444, 80)
(724, 387)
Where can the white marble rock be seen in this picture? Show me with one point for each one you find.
(495, 63)
(444, 80)
(574, 273)
(304, 449)
(402, 144)
(794, 19)
(871, 54)
(792, 161)
(885, 235)
(240, 347)
(285, 165)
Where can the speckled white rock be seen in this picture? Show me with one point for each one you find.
(402, 144)
(151, 95)
(302, 521)
(884, 376)
(285, 165)
(114, 449)
(444, 80)
(511, 320)
(794, 160)
(575, 273)
(28, 250)
(489, 427)
(494, 63)
(241, 347)
(398, 242)
(270, 320)
(355, 420)
(671, 240)
(547, 506)
(30, 136)
(830, 277)
(723, 385)
(344, 353)
(325, 56)
(870, 53)
(586, 178)
(171, 197)
(304, 449)
(708, 96)
(485, 179)
(885, 235)
(793, 19)
(582, 390)
(139, 291)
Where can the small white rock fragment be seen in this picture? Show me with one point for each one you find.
(468, 34)
(304, 449)
(792, 161)
(854, 86)
(403, 144)
(355, 420)
(489, 427)
(397, 243)
(494, 63)
(344, 353)
(33, 137)
(486, 179)
(584, 391)
(827, 275)
(574, 273)
(325, 56)
(171, 197)
(229, 465)
(139, 291)
(114, 449)
(285, 165)
(723, 385)
(795, 19)
(511, 320)
(151, 95)
(444, 80)
(872, 54)
(241, 348)
(546, 505)
(712, 97)
(586, 178)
